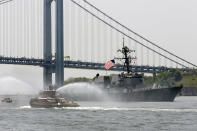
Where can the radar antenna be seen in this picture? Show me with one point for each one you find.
(126, 57)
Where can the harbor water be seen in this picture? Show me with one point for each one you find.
(179, 115)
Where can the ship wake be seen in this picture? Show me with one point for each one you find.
(130, 109)
(97, 108)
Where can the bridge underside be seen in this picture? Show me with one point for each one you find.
(81, 65)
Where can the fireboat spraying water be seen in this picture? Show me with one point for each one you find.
(83, 91)
(50, 98)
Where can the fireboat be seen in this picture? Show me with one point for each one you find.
(50, 99)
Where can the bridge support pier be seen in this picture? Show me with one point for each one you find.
(47, 72)
(59, 55)
(59, 69)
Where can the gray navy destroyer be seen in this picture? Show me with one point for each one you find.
(130, 86)
(126, 86)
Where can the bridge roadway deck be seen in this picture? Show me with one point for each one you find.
(78, 64)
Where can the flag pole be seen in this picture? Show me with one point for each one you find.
(106, 72)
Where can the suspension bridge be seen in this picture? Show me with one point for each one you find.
(58, 34)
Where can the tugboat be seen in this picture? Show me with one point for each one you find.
(49, 99)
(130, 86)
(7, 100)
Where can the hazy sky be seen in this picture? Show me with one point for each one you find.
(170, 23)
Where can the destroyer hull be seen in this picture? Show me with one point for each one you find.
(141, 95)
(149, 95)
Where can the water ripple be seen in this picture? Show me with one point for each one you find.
(120, 109)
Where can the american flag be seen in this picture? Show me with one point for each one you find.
(110, 64)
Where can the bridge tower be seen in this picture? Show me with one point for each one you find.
(47, 53)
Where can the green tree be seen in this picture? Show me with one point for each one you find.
(177, 76)
(79, 79)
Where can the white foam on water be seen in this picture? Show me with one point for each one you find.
(13, 86)
(29, 107)
(25, 107)
(116, 109)
(130, 109)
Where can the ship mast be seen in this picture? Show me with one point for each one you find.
(127, 58)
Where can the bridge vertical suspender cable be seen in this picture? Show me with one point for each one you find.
(147, 55)
(80, 34)
(4, 33)
(165, 61)
(153, 56)
(40, 30)
(137, 33)
(33, 51)
(126, 34)
(121, 32)
(72, 27)
(69, 28)
(159, 60)
(117, 40)
(25, 30)
(98, 39)
(111, 41)
(104, 36)
(15, 30)
(142, 54)
(5, 1)
(30, 28)
(92, 39)
(136, 51)
(86, 33)
(7, 32)
(1, 32)
(36, 30)
(77, 31)
(83, 35)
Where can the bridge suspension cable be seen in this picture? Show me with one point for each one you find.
(138, 34)
(113, 27)
(91, 36)
(21, 28)
(86, 30)
(4, 1)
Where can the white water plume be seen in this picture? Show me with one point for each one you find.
(13, 86)
(83, 91)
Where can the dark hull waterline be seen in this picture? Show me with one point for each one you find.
(150, 95)
(141, 95)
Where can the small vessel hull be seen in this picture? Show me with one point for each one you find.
(38, 103)
(7, 100)
(48, 99)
